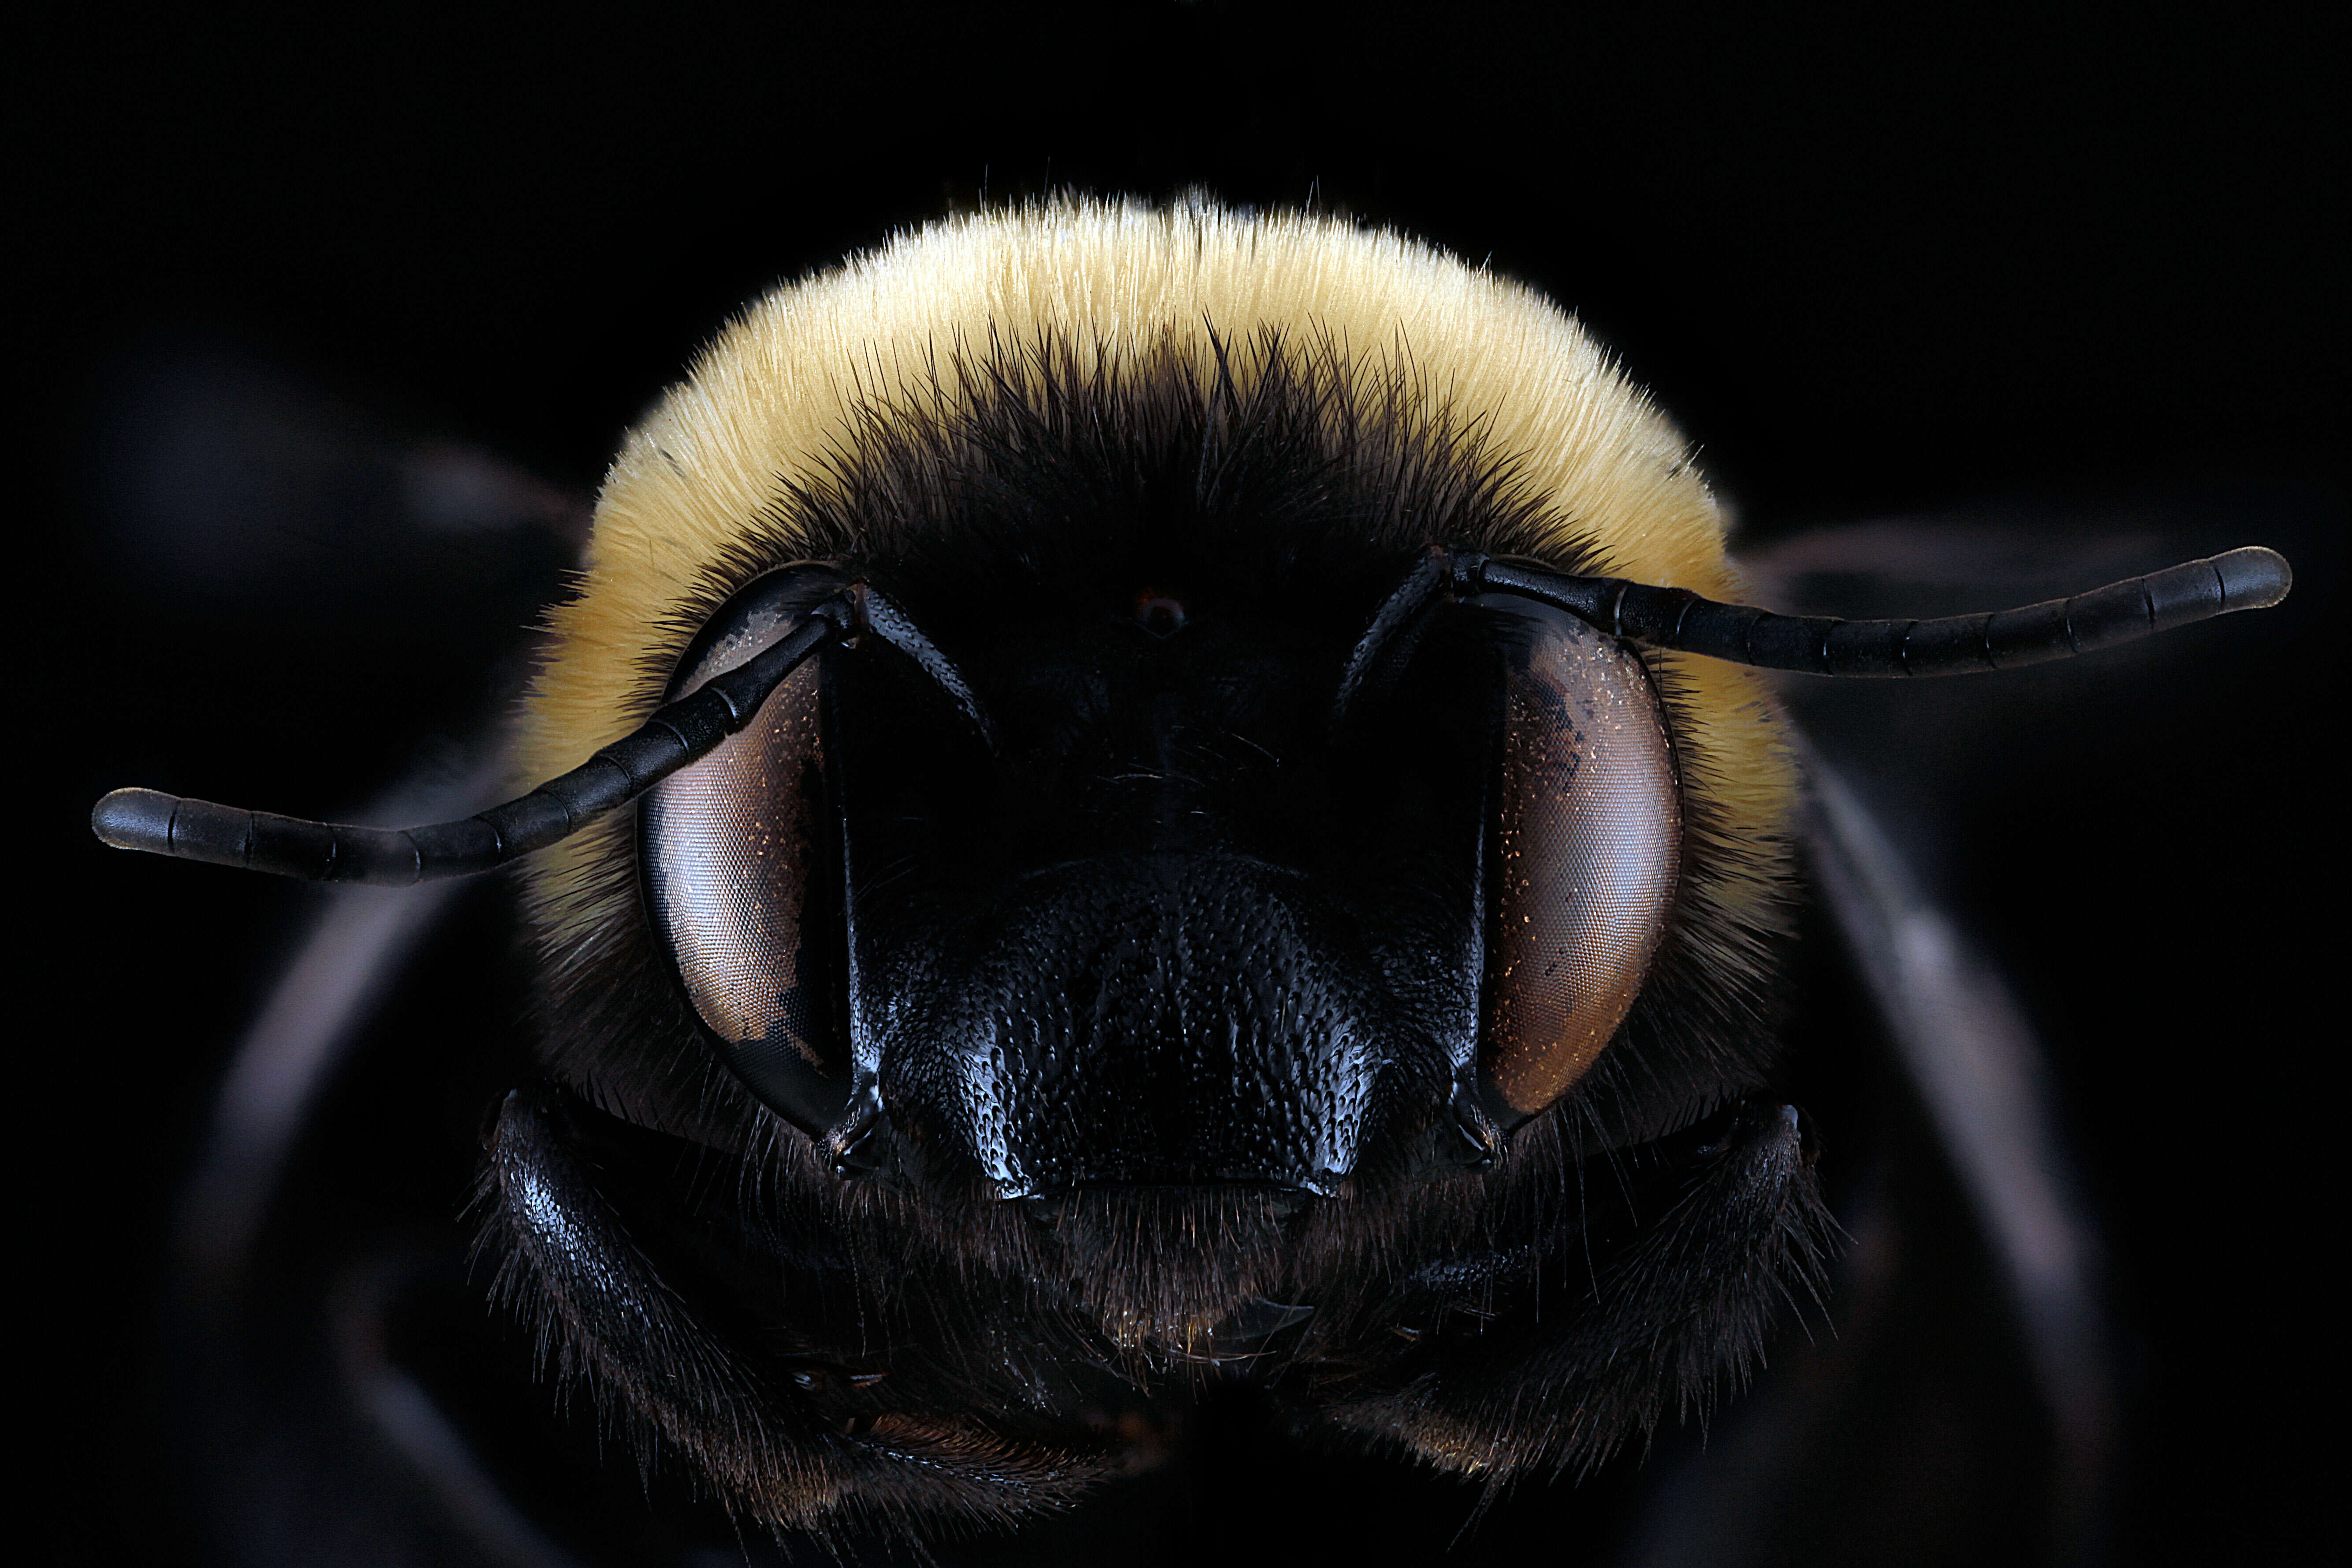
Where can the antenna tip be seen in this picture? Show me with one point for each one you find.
(2252, 577)
(135, 819)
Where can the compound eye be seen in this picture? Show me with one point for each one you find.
(738, 850)
(1587, 846)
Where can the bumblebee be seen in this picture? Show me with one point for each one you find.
(1168, 794)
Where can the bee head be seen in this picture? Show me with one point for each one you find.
(1167, 794)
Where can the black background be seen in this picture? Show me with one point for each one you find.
(1875, 266)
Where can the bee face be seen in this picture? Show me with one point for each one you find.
(1169, 798)
(1177, 931)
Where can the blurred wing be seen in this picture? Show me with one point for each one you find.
(1966, 1404)
(218, 475)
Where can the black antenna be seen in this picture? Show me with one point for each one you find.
(681, 733)
(888, 622)
(2250, 578)
(1429, 577)
(685, 731)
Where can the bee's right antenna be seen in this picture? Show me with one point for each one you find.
(2250, 578)
(678, 734)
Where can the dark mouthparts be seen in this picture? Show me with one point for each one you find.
(682, 733)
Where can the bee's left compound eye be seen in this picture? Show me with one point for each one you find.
(737, 851)
(1586, 851)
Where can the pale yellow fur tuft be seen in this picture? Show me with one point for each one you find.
(767, 402)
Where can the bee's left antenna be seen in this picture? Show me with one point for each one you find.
(678, 734)
(2248, 578)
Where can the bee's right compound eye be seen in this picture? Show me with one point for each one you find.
(737, 851)
(1586, 853)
